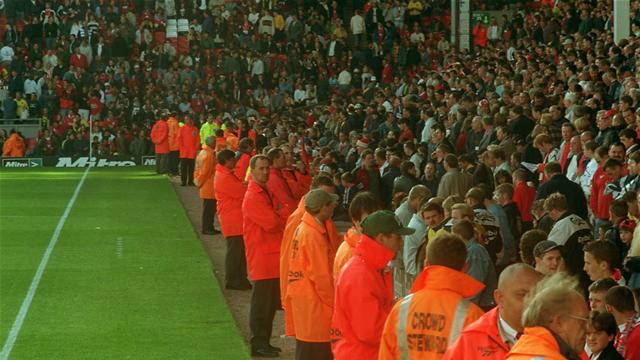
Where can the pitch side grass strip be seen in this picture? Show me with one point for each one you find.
(26, 304)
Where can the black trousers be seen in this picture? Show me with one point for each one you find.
(313, 351)
(186, 171)
(173, 162)
(162, 163)
(208, 214)
(235, 263)
(265, 300)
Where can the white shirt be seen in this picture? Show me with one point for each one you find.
(587, 176)
(6, 53)
(257, 67)
(357, 25)
(344, 78)
(509, 334)
(30, 87)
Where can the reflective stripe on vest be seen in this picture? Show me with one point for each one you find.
(401, 328)
(457, 324)
(458, 320)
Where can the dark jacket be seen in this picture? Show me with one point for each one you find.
(575, 196)
(610, 353)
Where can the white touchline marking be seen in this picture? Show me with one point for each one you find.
(17, 324)
(119, 246)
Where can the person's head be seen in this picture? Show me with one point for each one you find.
(548, 257)
(277, 158)
(368, 160)
(552, 168)
(226, 158)
(529, 240)
(601, 330)
(600, 259)
(618, 210)
(450, 162)
(620, 302)
(363, 204)
(417, 195)
(555, 205)
(503, 194)
(597, 291)
(408, 168)
(320, 204)
(324, 182)
(384, 227)
(617, 151)
(514, 284)
(613, 168)
(432, 213)
(464, 228)
(260, 166)
(245, 145)
(447, 250)
(557, 304)
(210, 142)
(626, 228)
(461, 211)
(475, 196)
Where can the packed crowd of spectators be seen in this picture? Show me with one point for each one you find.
(536, 126)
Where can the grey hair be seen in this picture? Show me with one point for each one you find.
(551, 297)
(210, 141)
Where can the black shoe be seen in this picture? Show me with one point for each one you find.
(183, 184)
(274, 348)
(191, 184)
(208, 232)
(216, 232)
(265, 353)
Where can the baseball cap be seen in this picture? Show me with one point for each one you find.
(384, 221)
(627, 225)
(544, 247)
(317, 198)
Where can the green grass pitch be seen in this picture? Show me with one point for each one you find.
(127, 279)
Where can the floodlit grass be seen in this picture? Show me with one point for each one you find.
(128, 278)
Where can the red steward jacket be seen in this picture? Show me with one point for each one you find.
(281, 191)
(160, 136)
(229, 193)
(174, 133)
(189, 141)
(523, 196)
(363, 301)
(263, 224)
(480, 340)
(242, 165)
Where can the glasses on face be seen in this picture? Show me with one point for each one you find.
(579, 318)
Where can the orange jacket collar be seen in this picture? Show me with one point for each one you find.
(309, 219)
(437, 277)
(352, 237)
(373, 253)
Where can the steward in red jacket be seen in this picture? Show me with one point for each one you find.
(263, 225)
(189, 143)
(229, 192)
(160, 138)
(277, 184)
(245, 149)
(364, 290)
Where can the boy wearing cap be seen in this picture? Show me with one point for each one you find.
(364, 290)
(310, 291)
(548, 257)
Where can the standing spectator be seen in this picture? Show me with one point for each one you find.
(358, 29)
(600, 261)
(620, 302)
(263, 225)
(601, 332)
(496, 332)
(189, 144)
(363, 298)
(555, 313)
(229, 192)
(310, 292)
(558, 183)
(453, 182)
(160, 138)
(204, 176)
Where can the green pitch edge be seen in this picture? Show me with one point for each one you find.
(127, 280)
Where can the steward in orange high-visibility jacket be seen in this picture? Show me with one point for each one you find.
(174, 147)
(325, 183)
(229, 192)
(204, 178)
(423, 324)
(159, 137)
(364, 289)
(310, 291)
(14, 146)
(189, 143)
(346, 250)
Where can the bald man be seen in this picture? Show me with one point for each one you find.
(493, 335)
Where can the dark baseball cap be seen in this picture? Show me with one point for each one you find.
(385, 222)
(544, 247)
